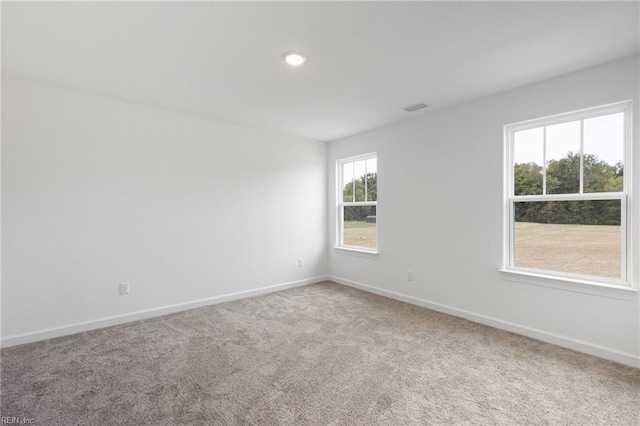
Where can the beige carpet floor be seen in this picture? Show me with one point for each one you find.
(317, 355)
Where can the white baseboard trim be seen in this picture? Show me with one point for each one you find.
(80, 327)
(556, 339)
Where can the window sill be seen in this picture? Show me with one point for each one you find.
(570, 284)
(357, 252)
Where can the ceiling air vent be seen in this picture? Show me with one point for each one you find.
(416, 107)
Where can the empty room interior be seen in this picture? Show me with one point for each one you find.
(191, 231)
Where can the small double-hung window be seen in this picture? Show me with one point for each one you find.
(358, 203)
(567, 188)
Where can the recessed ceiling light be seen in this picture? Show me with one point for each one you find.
(294, 58)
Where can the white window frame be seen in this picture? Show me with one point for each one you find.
(341, 204)
(626, 281)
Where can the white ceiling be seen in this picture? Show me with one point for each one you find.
(366, 61)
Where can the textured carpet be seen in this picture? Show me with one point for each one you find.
(316, 355)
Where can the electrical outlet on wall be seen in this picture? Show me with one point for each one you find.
(124, 288)
(300, 263)
(409, 275)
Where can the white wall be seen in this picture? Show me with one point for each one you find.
(432, 168)
(97, 191)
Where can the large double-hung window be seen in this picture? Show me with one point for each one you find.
(358, 203)
(567, 195)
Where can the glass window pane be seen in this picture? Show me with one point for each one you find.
(580, 237)
(527, 161)
(603, 153)
(563, 158)
(347, 180)
(359, 171)
(372, 179)
(359, 227)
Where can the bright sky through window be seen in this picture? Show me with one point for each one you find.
(602, 136)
